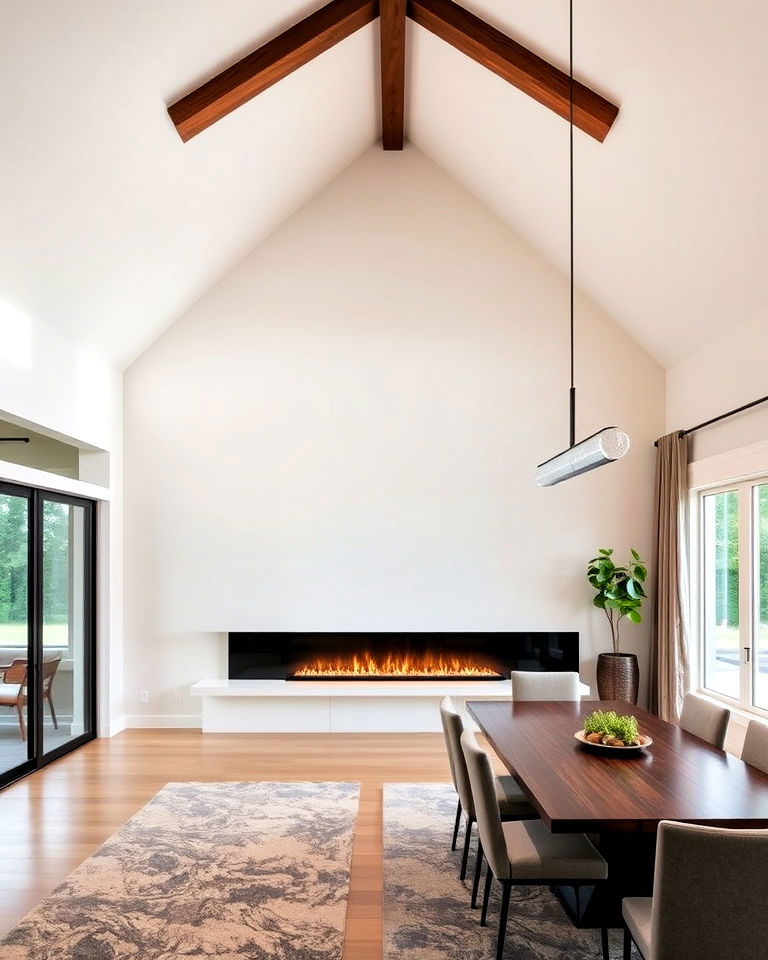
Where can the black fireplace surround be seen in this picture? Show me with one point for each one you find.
(490, 656)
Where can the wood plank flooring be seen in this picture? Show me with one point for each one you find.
(57, 817)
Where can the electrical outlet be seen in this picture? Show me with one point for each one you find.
(143, 696)
(178, 696)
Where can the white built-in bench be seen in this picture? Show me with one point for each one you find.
(340, 706)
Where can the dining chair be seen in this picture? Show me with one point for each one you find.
(708, 896)
(705, 719)
(511, 802)
(529, 685)
(755, 749)
(524, 852)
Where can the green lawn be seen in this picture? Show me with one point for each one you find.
(15, 635)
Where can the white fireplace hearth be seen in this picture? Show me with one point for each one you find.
(336, 706)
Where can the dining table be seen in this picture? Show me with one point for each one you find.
(618, 798)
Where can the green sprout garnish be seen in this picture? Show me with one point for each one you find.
(612, 724)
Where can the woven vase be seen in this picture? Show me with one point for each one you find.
(618, 677)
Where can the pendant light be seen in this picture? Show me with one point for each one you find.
(610, 443)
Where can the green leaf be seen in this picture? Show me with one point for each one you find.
(640, 572)
(606, 553)
(634, 616)
(635, 555)
(631, 589)
(599, 601)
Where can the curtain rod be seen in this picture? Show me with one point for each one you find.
(723, 416)
(14, 439)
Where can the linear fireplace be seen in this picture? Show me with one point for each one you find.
(398, 656)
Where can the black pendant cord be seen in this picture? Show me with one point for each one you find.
(572, 392)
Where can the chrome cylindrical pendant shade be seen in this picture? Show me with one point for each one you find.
(608, 445)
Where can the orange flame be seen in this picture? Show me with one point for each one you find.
(393, 665)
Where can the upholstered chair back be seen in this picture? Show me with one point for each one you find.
(704, 719)
(486, 805)
(709, 893)
(755, 751)
(453, 726)
(527, 685)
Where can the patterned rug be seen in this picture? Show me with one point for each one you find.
(426, 907)
(232, 871)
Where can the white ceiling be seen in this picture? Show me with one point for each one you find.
(112, 226)
(672, 209)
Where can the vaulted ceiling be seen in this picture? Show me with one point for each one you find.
(112, 225)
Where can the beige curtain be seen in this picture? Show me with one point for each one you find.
(669, 639)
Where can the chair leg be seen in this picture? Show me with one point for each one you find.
(456, 826)
(486, 897)
(627, 944)
(53, 712)
(478, 871)
(604, 943)
(465, 856)
(506, 890)
(22, 727)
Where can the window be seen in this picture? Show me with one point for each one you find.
(47, 626)
(733, 593)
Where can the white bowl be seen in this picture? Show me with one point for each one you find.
(581, 736)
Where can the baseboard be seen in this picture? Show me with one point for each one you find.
(157, 721)
(12, 721)
(112, 728)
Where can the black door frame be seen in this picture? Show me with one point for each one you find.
(36, 758)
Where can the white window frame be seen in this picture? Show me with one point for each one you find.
(748, 468)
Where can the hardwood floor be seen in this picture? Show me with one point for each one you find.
(56, 818)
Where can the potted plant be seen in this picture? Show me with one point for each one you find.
(619, 594)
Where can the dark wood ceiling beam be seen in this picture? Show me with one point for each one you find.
(515, 63)
(270, 63)
(392, 14)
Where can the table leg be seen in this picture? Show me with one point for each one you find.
(630, 858)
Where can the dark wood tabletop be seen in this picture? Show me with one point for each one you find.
(680, 777)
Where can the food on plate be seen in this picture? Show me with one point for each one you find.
(611, 729)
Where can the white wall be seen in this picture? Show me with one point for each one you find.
(723, 374)
(48, 381)
(342, 434)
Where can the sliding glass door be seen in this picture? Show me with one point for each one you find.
(47, 695)
(16, 753)
(66, 625)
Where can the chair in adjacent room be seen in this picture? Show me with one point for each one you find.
(524, 852)
(705, 719)
(13, 691)
(755, 749)
(530, 685)
(511, 802)
(708, 896)
(50, 666)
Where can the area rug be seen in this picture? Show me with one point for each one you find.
(231, 871)
(426, 907)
